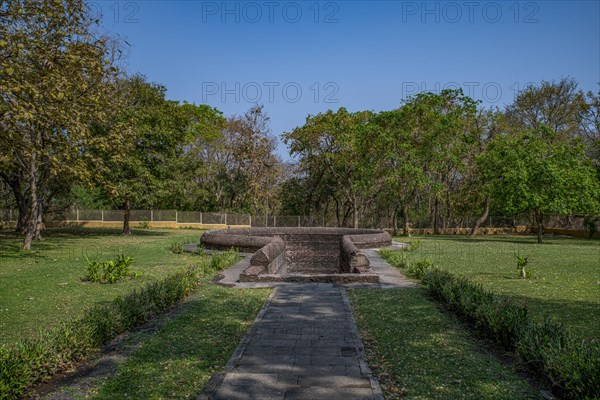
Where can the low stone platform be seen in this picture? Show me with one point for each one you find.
(287, 253)
(386, 275)
(304, 344)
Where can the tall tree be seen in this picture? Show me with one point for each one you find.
(145, 169)
(591, 127)
(255, 166)
(402, 151)
(54, 70)
(443, 121)
(529, 173)
(558, 105)
(338, 144)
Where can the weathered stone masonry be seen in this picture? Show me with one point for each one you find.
(302, 254)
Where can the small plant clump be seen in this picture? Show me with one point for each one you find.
(414, 245)
(522, 266)
(399, 259)
(222, 260)
(145, 224)
(179, 248)
(110, 271)
(419, 268)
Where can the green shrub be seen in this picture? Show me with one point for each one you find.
(109, 271)
(179, 246)
(34, 360)
(397, 259)
(546, 347)
(419, 268)
(144, 224)
(571, 365)
(222, 260)
(521, 266)
(414, 245)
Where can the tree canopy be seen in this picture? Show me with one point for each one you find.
(75, 129)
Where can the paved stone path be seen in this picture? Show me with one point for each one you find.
(304, 344)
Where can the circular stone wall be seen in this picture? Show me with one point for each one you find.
(293, 251)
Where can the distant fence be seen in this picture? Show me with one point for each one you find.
(184, 218)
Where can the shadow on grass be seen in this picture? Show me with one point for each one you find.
(99, 232)
(53, 238)
(179, 358)
(581, 317)
(419, 351)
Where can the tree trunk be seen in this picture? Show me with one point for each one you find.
(337, 212)
(436, 216)
(39, 226)
(14, 182)
(43, 205)
(32, 215)
(405, 220)
(344, 223)
(448, 211)
(482, 218)
(22, 221)
(539, 220)
(126, 217)
(354, 215)
(395, 221)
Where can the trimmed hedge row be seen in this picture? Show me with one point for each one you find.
(36, 359)
(548, 349)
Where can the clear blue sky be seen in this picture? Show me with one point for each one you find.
(300, 58)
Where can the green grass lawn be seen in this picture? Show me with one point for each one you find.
(420, 352)
(41, 288)
(566, 272)
(177, 361)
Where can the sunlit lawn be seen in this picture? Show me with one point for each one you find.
(421, 352)
(566, 272)
(41, 288)
(176, 361)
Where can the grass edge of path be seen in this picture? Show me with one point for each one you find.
(418, 351)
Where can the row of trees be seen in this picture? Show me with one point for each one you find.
(444, 158)
(74, 128)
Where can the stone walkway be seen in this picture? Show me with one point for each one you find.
(304, 344)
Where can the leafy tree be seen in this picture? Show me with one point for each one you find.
(403, 154)
(236, 168)
(443, 122)
(591, 128)
(338, 145)
(146, 169)
(528, 172)
(255, 167)
(189, 191)
(559, 106)
(473, 189)
(55, 72)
